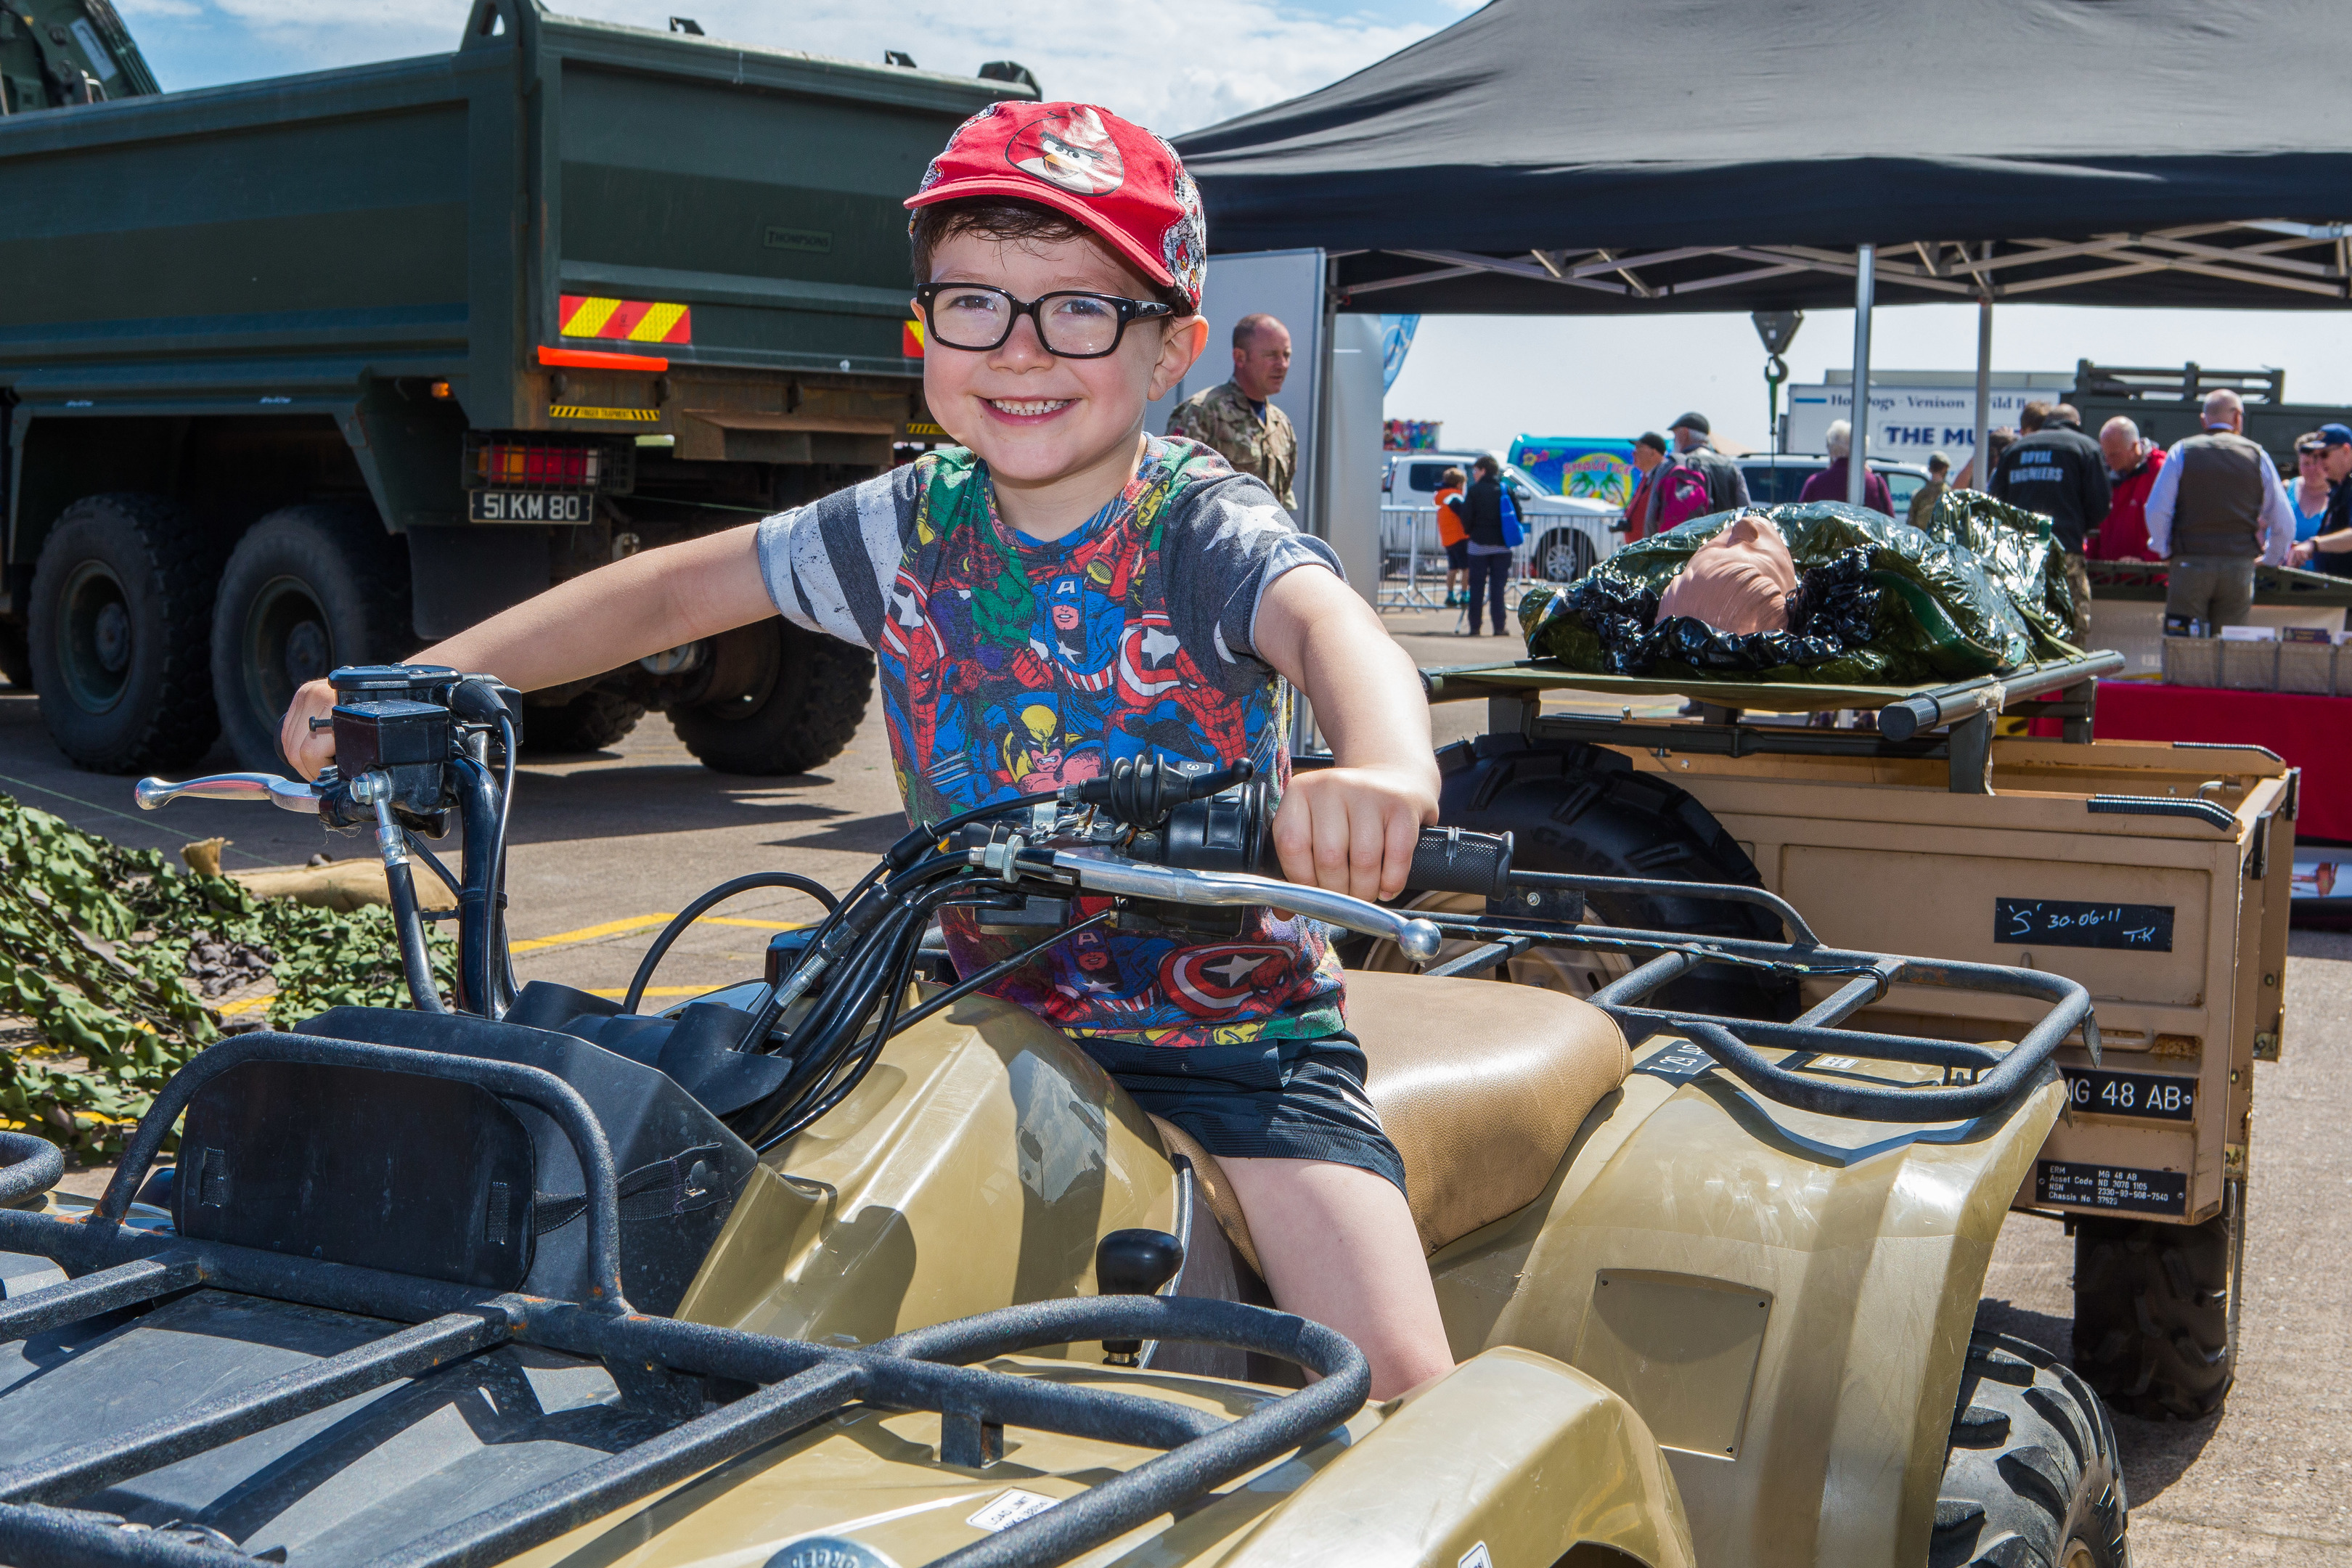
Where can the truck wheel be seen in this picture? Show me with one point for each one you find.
(2030, 1480)
(1582, 809)
(798, 696)
(589, 722)
(307, 588)
(15, 655)
(2156, 1311)
(122, 601)
(1563, 556)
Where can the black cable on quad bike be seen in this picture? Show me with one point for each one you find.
(695, 910)
(826, 1044)
(996, 972)
(433, 864)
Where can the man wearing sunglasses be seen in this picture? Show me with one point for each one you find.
(1238, 418)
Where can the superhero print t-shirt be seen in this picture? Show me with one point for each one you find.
(1012, 666)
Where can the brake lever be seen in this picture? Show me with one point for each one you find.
(287, 795)
(1417, 939)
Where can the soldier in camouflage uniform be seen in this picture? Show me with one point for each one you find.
(1237, 418)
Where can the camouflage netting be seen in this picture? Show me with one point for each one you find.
(108, 954)
(1981, 591)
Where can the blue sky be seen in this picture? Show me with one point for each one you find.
(1177, 65)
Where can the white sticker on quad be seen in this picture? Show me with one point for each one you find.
(1476, 1558)
(1009, 1509)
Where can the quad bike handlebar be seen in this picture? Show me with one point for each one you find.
(1169, 844)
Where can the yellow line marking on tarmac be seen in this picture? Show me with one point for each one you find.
(618, 991)
(640, 923)
(250, 1005)
(590, 934)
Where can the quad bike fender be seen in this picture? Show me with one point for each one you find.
(1786, 1298)
(900, 1208)
(1511, 1453)
(1536, 1463)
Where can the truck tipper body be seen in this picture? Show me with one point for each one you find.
(315, 370)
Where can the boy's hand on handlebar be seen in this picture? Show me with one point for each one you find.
(1351, 830)
(309, 750)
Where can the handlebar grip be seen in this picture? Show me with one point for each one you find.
(1449, 860)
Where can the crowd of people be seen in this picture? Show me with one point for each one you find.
(2213, 506)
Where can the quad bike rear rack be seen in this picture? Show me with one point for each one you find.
(766, 1387)
(1951, 723)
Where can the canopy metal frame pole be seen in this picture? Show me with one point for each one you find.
(1982, 465)
(1857, 467)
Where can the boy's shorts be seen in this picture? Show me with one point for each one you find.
(1457, 556)
(1270, 1100)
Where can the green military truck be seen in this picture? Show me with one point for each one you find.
(309, 372)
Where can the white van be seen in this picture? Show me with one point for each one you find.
(1567, 535)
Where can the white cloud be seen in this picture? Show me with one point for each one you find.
(1174, 64)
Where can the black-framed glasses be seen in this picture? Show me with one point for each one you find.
(1071, 324)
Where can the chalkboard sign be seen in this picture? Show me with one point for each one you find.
(2064, 922)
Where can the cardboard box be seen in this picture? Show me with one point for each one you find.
(2308, 666)
(2192, 661)
(2248, 665)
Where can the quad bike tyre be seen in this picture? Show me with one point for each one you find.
(121, 610)
(589, 722)
(2031, 1478)
(1582, 809)
(797, 697)
(2156, 1311)
(307, 589)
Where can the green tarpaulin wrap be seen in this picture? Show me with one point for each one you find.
(1981, 591)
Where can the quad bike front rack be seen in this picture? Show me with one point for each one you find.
(665, 1369)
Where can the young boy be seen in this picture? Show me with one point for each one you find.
(1065, 591)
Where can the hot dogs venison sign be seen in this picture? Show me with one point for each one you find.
(2067, 922)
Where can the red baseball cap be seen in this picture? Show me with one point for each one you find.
(1123, 183)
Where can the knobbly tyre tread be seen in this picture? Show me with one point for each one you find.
(809, 712)
(374, 624)
(2031, 1467)
(588, 721)
(175, 721)
(2154, 1331)
(1574, 808)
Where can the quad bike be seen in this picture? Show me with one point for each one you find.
(852, 1265)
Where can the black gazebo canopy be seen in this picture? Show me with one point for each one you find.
(1566, 156)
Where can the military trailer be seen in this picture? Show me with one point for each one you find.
(312, 370)
(2156, 875)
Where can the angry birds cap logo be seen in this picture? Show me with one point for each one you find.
(1070, 148)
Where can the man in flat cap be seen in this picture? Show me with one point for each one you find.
(1727, 487)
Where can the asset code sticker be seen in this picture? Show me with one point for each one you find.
(1679, 1062)
(2110, 1187)
(1009, 1509)
(2155, 1096)
(2067, 922)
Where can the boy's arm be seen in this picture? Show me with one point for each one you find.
(651, 601)
(1349, 827)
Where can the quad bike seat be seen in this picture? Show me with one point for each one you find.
(1480, 1084)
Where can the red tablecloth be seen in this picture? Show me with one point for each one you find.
(2313, 733)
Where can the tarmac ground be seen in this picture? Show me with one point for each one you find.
(606, 845)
